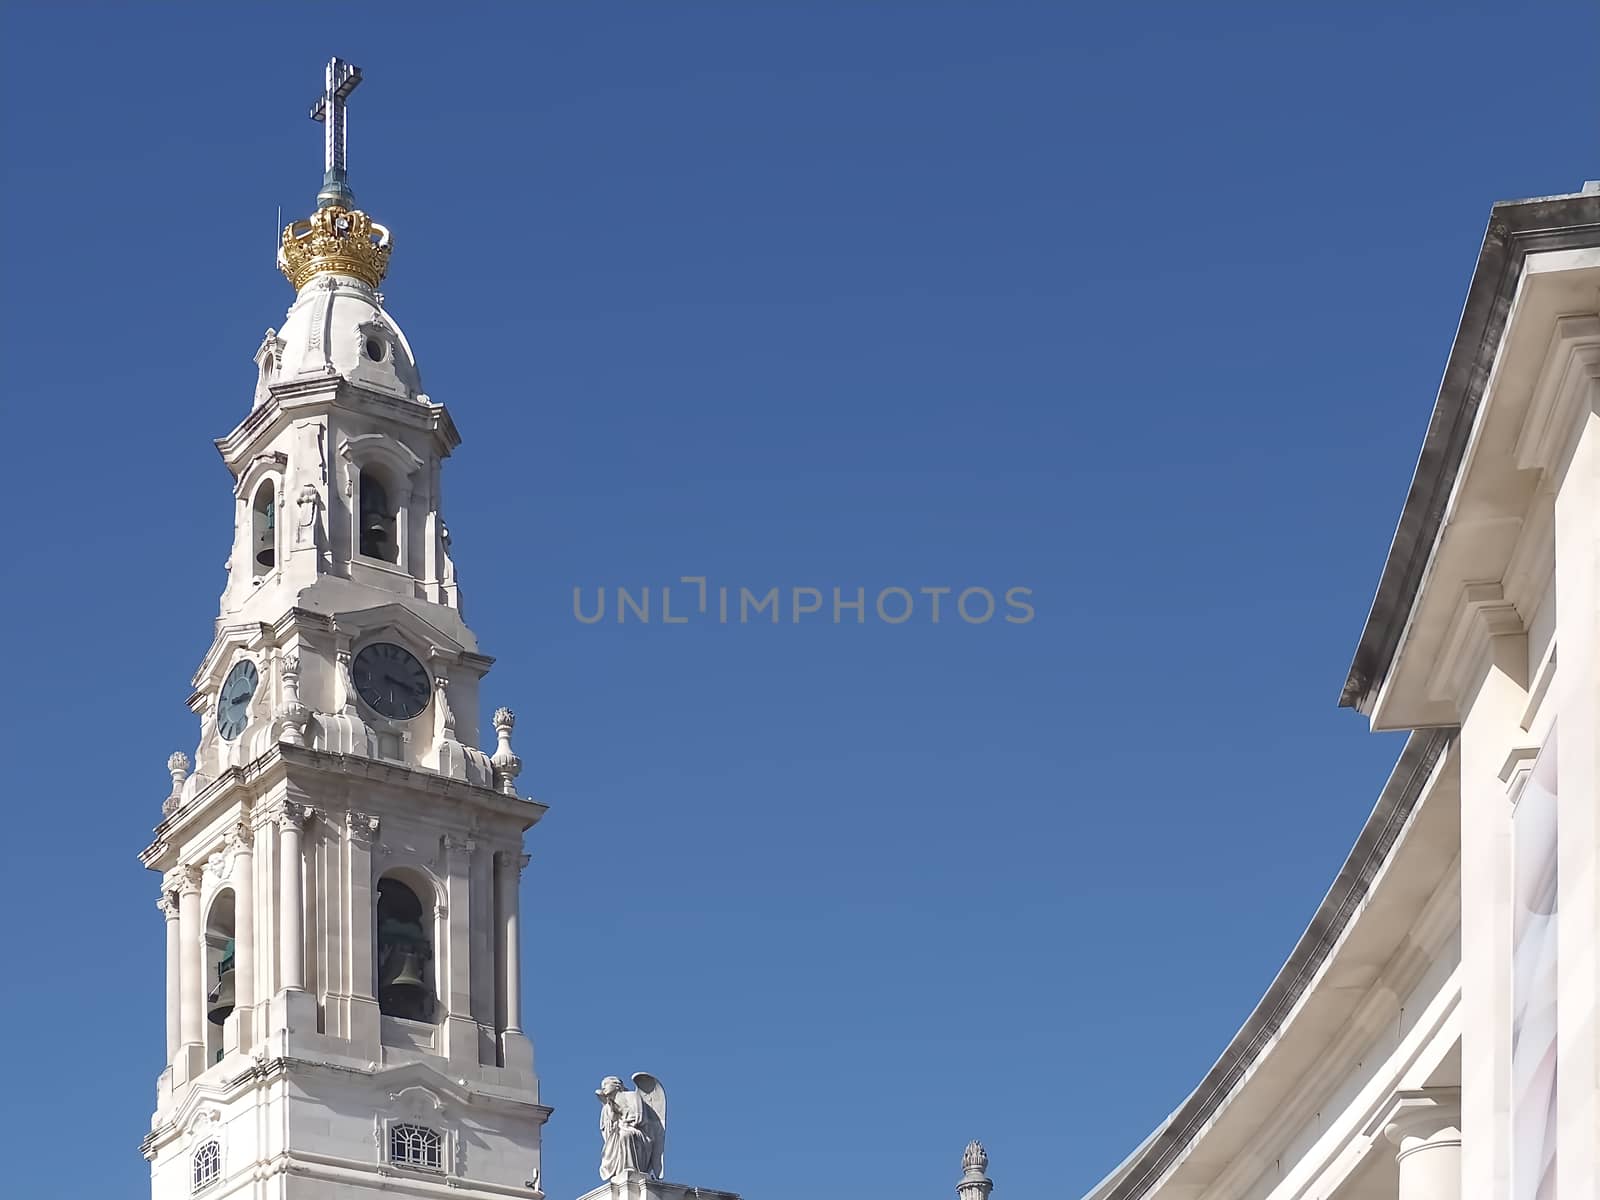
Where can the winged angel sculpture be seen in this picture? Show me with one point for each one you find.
(633, 1127)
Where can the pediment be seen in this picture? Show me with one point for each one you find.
(400, 623)
(247, 635)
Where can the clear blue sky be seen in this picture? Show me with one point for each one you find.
(1142, 307)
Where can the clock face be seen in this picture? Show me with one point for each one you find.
(233, 702)
(391, 680)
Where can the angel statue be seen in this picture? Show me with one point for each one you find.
(633, 1127)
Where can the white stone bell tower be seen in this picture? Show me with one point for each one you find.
(340, 867)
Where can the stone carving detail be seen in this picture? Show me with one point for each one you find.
(507, 766)
(219, 866)
(633, 1128)
(363, 827)
(178, 768)
(447, 716)
(168, 904)
(308, 519)
(294, 814)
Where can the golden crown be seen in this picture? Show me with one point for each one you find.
(335, 241)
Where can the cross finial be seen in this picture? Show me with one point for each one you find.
(339, 80)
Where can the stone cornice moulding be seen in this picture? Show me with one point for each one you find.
(1355, 1040)
(1568, 387)
(1164, 1151)
(1482, 615)
(271, 770)
(1415, 1054)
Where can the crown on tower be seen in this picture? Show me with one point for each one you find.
(334, 241)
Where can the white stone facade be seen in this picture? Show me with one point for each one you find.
(1436, 1033)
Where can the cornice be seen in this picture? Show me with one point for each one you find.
(1516, 230)
(1168, 1146)
(276, 764)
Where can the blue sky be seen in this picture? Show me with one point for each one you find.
(1142, 308)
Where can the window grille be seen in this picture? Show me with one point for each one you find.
(207, 1165)
(416, 1146)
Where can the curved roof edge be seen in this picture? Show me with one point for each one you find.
(1517, 228)
(1142, 1170)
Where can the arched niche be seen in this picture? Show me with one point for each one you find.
(404, 929)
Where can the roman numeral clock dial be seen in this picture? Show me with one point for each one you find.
(233, 701)
(391, 681)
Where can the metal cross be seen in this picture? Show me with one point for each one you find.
(339, 80)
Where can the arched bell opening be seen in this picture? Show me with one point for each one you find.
(405, 953)
(377, 518)
(219, 958)
(264, 530)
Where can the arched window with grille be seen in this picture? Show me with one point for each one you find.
(207, 1167)
(416, 1146)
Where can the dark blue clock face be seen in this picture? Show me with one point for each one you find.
(233, 702)
(391, 680)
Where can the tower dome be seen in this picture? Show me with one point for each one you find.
(337, 326)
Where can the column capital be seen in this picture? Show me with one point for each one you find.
(507, 859)
(1418, 1116)
(294, 816)
(167, 904)
(184, 879)
(362, 827)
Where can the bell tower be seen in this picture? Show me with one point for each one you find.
(339, 863)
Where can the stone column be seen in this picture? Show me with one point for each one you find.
(508, 877)
(291, 899)
(1577, 696)
(365, 1017)
(455, 929)
(191, 969)
(244, 931)
(169, 910)
(1426, 1126)
(1486, 677)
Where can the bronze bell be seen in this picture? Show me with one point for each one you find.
(219, 1001)
(402, 991)
(267, 551)
(407, 971)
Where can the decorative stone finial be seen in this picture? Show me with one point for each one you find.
(293, 715)
(507, 766)
(975, 1184)
(178, 768)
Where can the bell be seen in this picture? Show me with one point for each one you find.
(407, 972)
(219, 1001)
(267, 551)
(402, 991)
